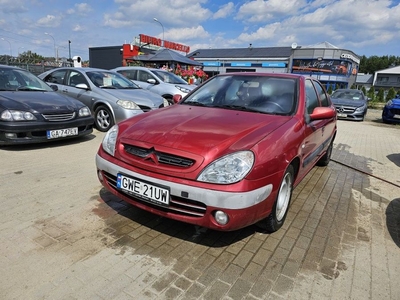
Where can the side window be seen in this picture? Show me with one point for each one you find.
(322, 95)
(130, 74)
(144, 76)
(76, 78)
(56, 77)
(311, 97)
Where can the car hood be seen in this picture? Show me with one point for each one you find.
(347, 102)
(139, 96)
(186, 86)
(200, 130)
(395, 103)
(42, 102)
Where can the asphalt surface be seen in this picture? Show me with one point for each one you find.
(62, 236)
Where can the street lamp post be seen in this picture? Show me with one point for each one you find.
(155, 19)
(9, 44)
(55, 51)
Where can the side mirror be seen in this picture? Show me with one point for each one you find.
(151, 81)
(54, 87)
(321, 113)
(82, 86)
(176, 98)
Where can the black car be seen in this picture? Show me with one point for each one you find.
(31, 112)
(350, 104)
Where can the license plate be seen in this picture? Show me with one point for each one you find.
(144, 190)
(342, 115)
(54, 134)
(396, 116)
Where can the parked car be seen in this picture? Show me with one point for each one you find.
(110, 96)
(31, 112)
(391, 111)
(350, 104)
(159, 81)
(226, 156)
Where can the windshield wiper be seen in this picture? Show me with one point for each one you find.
(108, 87)
(194, 103)
(239, 107)
(27, 88)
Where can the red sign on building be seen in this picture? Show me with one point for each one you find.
(145, 39)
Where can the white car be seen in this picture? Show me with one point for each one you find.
(159, 81)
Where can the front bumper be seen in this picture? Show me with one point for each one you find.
(192, 204)
(36, 132)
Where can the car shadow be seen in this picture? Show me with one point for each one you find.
(394, 158)
(393, 220)
(50, 144)
(183, 231)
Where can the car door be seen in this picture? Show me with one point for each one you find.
(314, 130)
(142, 77)
(86, 96)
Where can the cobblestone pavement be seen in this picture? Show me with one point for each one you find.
(64, 237)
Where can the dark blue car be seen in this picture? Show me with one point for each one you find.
(391, 111)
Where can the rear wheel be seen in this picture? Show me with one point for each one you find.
(281, 206)
(103, 118)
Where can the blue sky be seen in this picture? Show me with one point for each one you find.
(366, 27)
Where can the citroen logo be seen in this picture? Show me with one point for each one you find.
(152, 155)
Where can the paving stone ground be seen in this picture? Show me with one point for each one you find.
(64, 237)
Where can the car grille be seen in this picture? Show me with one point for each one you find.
(345, 109)
(177, 205)
(163, 158)
(59, 117)
(145, 108)
(395, 111)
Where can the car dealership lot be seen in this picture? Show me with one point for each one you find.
(64, 237)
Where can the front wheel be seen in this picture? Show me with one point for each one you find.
(281, 206)
(326, 158)
(103, 118)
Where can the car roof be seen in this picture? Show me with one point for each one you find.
(84, 69)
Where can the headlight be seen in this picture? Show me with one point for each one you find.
(17, 115)
(389, 103)
(166, 102)
(84, 111)
(182, 89)
(360, 109)
(127, 104)
(228, 169)
(110, 139)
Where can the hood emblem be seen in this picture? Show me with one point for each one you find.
(56, 107)
(341, 109)
(152, 156)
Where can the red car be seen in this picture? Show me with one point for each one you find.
(226, 156)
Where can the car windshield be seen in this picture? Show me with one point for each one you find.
(21, 80)
(263, 94)
(349, 95)
(110, 80)
(169, 77)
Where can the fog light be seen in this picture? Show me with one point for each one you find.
(100, 175)
(10, 135)
(221, 217)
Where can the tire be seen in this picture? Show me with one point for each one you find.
(281, 206)
(103, 118)
(326, 158)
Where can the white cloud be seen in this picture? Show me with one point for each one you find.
(224, 11)
(49, 21)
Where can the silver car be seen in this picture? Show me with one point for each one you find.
(159, 81)
(110, 96)
(351, 104)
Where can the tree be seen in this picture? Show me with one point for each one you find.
(371, 93)
(330, 90)
(364, 90)
(381, 95)
(391, 94)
